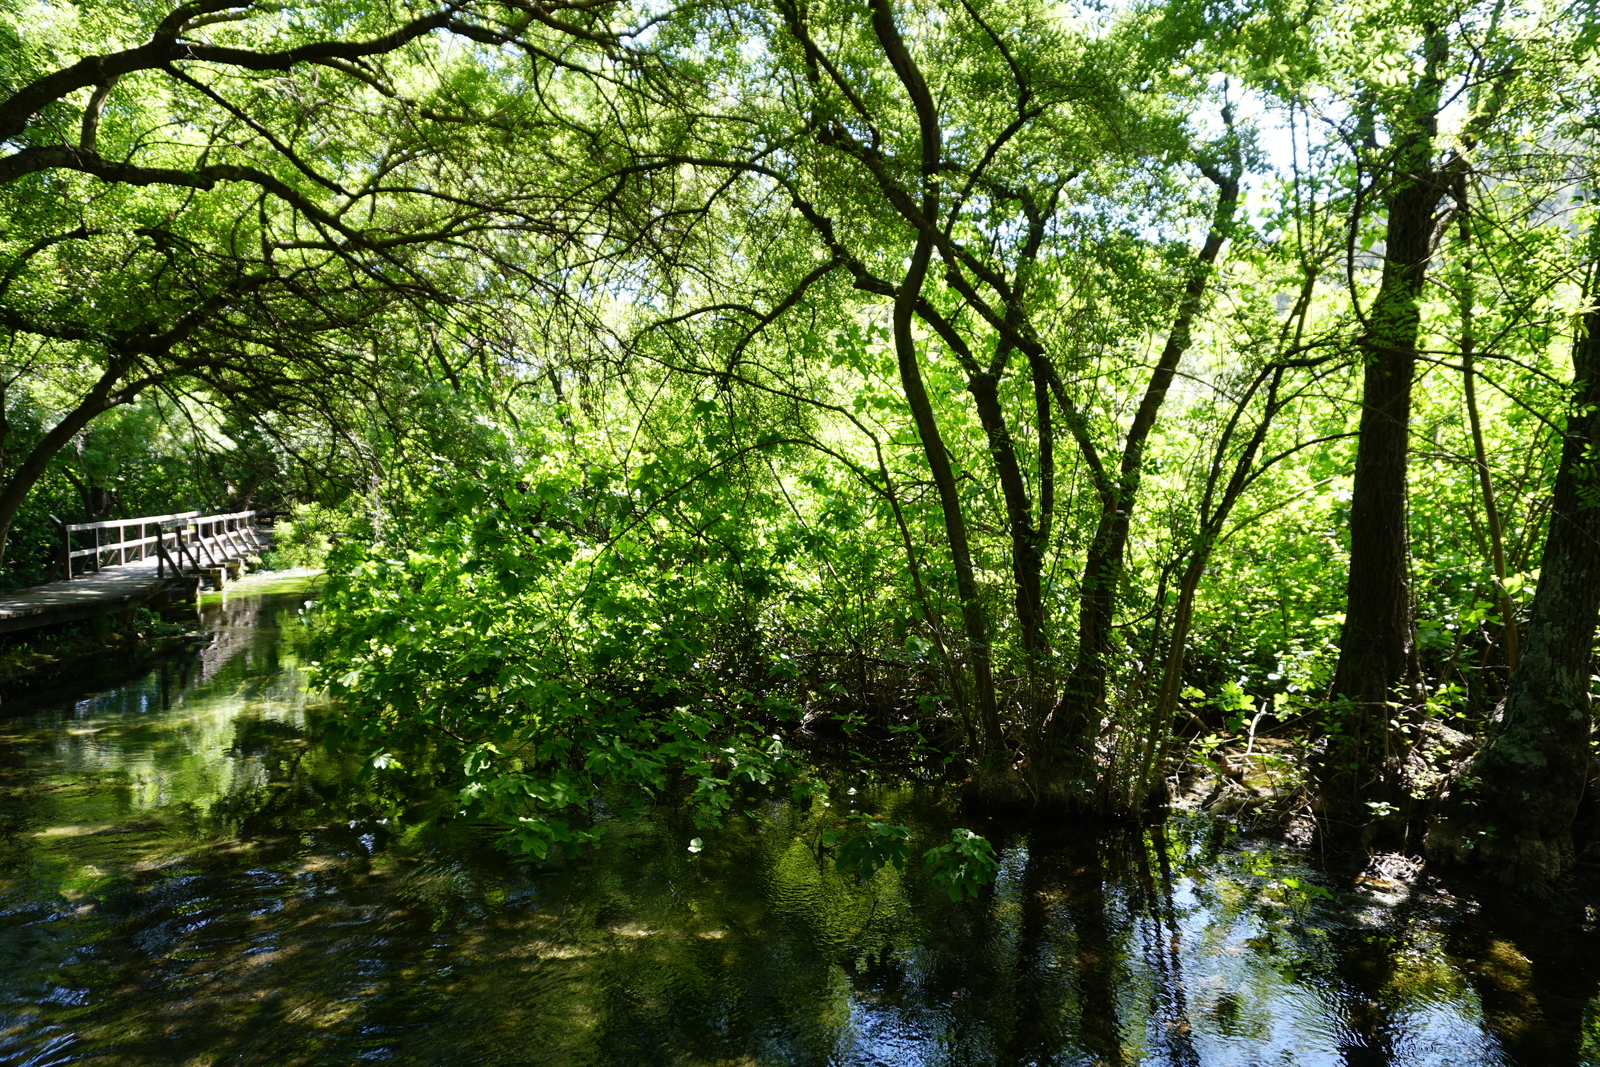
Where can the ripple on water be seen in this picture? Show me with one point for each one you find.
(192, 879)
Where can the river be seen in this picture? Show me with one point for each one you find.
(187, 877)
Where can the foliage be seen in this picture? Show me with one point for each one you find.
(508, 646)
(306, 535)
(689, 386)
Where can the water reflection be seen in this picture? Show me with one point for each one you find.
(185, 877)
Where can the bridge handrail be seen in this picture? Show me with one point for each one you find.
(109, 524)
(172, 538)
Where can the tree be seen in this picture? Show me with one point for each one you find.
(1377, 686)
(1378, 668)
(976, 147)
(234, 205)
(1513, 812)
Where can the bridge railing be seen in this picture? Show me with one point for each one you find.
(187, 540)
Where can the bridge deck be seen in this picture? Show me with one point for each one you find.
(81, 598)
(204, 545)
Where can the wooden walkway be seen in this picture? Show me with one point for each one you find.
(113, 589)
(186, 549)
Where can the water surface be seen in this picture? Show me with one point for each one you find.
(186, 877)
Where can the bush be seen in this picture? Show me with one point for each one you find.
(304, 539)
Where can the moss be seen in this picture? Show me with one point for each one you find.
(263, 583)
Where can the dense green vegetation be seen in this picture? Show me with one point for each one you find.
(1037, 395)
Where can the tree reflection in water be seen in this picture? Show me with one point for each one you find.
(189, 876)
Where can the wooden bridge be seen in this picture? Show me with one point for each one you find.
(114, 566)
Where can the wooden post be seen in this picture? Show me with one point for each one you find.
(66, 549)
(184, 551)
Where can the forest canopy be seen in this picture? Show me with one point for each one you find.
(1046, 397)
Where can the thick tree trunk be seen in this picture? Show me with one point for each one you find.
(1378, 673)
(1513, 812)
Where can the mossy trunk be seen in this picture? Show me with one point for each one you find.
(1512, 813)
(1075, 724)
(1356, 774)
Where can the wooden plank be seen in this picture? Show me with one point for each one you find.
(106, 524)
(120, 544)
(82, 598)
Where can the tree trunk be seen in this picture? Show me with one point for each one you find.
(908, 293)
(21, 483)
(1075, 724)
(973, 618)
(1027, 551)
(1480, 454)
(1513, 812)
(1212, 522)
(1378, 669)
